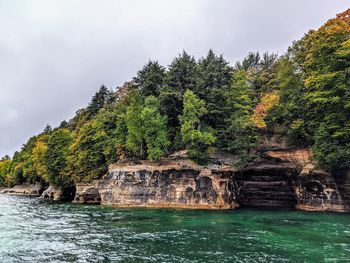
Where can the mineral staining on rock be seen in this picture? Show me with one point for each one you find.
(171, 184)
(285, 178)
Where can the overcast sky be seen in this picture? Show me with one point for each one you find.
(54, 55)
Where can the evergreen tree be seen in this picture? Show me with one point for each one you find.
(98, 101)
(213, 84)
(241, 136)
(150, 79)
(182, 74)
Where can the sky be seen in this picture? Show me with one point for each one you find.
(55, 54)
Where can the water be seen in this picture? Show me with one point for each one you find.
(34, 230)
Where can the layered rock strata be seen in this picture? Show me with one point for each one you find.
(168, 184)
(281, 179)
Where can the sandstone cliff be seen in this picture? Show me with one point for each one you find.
(282, 178)
(170, 183)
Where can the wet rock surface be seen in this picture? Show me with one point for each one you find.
(88, 193)
(25, 189)
(59, 194)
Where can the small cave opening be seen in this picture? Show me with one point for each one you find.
(267, 187)
(68, 193)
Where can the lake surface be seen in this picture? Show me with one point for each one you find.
(34, 230)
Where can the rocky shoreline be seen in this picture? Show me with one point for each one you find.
(283, 178)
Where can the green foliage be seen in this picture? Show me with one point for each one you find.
(196, 138)
(56, 157)
(93, 148)
(5, 165)
(134, 139)
(121, 130)
(288, 112)
(241, 136)
(327, 89)
(214, 80)
(150, 79)
(260, 72)
(182, 74)
(329, 151)
(99, 100)
(154, 128)
(302, 98)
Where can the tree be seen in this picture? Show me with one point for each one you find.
(38, 157)
(134, 140)
(154, 128)
(94, 148)
(261, 72)
(121, 130)
(150, 79)
(182, 74)
(196, 138)
(213, 84)
(56, 157)
(327, 90)
(5, 165)
(99, 100)
(240, 136)
(288, 113)
(260, 111)
(330, 152)
(64, 124)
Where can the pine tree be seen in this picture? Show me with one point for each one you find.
(240, 137)
(150, 79)
(182, 75)
(98, 101)
(214, 80)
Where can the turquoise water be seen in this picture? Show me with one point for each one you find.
(34, 230)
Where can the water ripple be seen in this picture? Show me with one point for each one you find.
(34, 230)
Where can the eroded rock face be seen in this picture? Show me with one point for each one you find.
(267, 184)
(25, 189)
(283, 178)
(59, 194)
(317, 190)
(182, 188)
(88, 193)
(342, 179)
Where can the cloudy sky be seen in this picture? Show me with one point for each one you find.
(54, 55)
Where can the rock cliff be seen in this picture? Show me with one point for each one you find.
(66, 194)
(170, 183)
(281, 178)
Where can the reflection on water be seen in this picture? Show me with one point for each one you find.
(34, 230)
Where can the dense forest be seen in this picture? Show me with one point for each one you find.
(206, 105)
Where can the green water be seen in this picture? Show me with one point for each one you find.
(34, 230)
